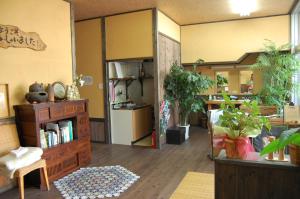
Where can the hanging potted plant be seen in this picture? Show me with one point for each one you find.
(278, 66)
(238, 125)
(182, 88)
(290, 138)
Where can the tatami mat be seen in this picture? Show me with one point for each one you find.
(195, 186)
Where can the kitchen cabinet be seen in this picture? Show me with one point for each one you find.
(129, 125)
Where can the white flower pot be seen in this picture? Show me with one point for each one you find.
(187, 131)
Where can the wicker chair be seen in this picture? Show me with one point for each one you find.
(9, 140)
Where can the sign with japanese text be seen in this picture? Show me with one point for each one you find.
(12, 36)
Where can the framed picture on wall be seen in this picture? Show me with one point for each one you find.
(4, 104)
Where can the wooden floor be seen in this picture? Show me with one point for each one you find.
(160, 170)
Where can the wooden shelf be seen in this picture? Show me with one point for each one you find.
(63, 158)
(128, 81)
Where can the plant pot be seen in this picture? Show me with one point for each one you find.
(238, 148)
(294, 154)
(231, 149)
(187, 131)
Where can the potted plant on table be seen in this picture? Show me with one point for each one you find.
(290, 138)
(221, 82)
(182, 88)
(277, 65)
(238, 125)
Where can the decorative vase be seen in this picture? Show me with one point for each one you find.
(50, 93)
(36, 93)
(294, 154)
(36, 87)
(73, 92)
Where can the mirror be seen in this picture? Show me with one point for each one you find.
(222, 79)
(246, 81)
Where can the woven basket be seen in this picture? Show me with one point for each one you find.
(294, 154)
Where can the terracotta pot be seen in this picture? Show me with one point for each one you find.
(231, 149)
(294, 154)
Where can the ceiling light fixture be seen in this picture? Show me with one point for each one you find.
(243, 7)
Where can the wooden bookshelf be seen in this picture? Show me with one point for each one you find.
(64, 158)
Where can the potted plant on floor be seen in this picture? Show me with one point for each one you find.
(238, 125)
(277, 65)
(182, 88)
(290, 138)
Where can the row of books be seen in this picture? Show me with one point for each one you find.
(56, 133)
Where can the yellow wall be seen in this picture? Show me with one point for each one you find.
(168, 27)
(89, 62)
(20, 67)
(228, 41)
(129, 35)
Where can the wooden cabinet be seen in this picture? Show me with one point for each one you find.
(235, 179)
(61, 159)
(141, 123)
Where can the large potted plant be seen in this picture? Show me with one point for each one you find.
(277, 65)
(238, 125)
(290, 138)
(182, 88)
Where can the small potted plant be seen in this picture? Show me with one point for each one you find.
(221, 83)
(182, 88)
(238, 125)
(290, 138)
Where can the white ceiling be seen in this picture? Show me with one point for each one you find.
(182, 11)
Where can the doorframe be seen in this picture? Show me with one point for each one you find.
(107, 114)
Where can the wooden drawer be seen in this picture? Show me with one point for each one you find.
(56, 111)
(43, 114)
(80, 107)
(69, 109)
(83, 125)
(84, 156)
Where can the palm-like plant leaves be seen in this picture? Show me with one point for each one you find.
(278, 67)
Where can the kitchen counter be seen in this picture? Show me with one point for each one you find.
(130, 124)
(133, 107)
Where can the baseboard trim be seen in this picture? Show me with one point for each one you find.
(93, 119)
(10, 120)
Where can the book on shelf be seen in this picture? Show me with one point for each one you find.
(67, 130)
(43, 139)
(56, 133)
